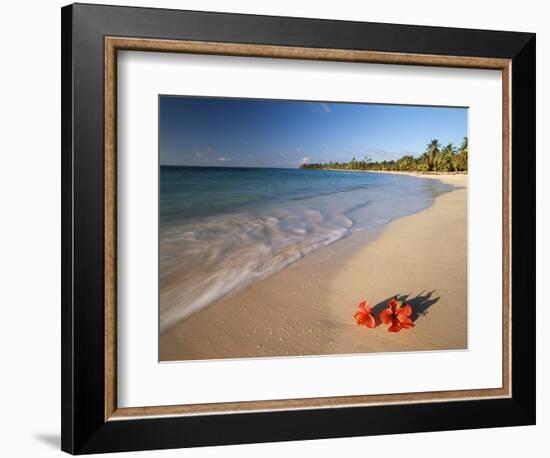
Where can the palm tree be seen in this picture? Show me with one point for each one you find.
(464, 145)
(434, 158)
(432, 150)
(447, 158)
(462, 156)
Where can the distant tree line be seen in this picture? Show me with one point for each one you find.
(434, 159)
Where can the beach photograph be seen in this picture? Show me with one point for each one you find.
(306, 228)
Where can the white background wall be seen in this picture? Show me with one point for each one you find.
(30, 225)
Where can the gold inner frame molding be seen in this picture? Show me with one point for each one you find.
(114, 44)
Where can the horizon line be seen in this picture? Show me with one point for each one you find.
(229, 166)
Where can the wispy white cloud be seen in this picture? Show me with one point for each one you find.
(325, 108)
(305, 160)
(320, 107)
(198, 154)
(223, 159)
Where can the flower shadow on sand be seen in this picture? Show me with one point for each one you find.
(419, 303)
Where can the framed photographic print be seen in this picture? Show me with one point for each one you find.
(270, 222)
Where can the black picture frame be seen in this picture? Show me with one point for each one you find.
(84, 428)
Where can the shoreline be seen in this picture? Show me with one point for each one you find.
(412, 255)
(403, 172)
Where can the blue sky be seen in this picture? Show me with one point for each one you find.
(204, 131)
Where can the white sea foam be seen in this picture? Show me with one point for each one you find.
(203, 261)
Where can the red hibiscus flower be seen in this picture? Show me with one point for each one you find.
(397, 315)
(363, 316)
